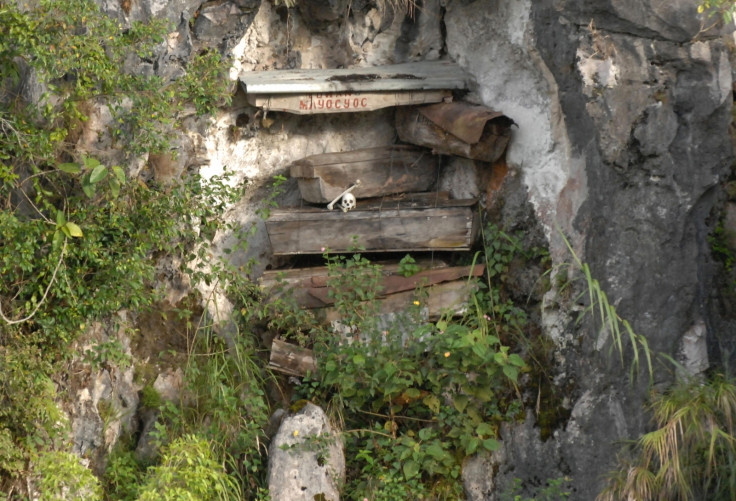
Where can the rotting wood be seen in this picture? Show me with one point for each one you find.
(383, 226)
(445, 298)
(461, 129)
(344, 102)
(394, 283)
(291, 359)
(382, 171)
(298, 282)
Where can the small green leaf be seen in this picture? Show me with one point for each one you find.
(98, 174)
(411, 469)
(70, 168)
(74, 230)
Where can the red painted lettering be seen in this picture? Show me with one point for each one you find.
(346, 102)
(337, 104)
(364, 102)
(356, 103)
(320, 103)
(329, 104)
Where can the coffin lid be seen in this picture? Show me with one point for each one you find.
(424, 75)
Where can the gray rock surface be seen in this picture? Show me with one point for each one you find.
(305, 458)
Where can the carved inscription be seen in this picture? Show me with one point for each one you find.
(340, 101)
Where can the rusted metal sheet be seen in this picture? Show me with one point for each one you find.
(344, 102)
(383, 225)
(382, 171)
(424, 75)
(458, 128)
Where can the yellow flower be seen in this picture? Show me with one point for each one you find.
(296, 432)
(447, 354)
(416, 303)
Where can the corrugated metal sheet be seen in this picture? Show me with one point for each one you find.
(425, 75)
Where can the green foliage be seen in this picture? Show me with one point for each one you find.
(691, 453)
(415, 397)
(554, 490)
(618, 328)
(122, 478)
(407, 266)
(223, 401)
(189, 470)
(65, 478)
(722, 8)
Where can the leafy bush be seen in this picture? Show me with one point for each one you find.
(415, 397)
(189, 470)
(691, 453)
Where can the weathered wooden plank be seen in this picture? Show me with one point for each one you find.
(344, 102)
(393, 284)
(424, 75)
(460, 129)
(382, 171)
(448, 297)
(299, 281)
(448, 225)
(291, 359)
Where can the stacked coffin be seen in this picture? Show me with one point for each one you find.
(379, 199)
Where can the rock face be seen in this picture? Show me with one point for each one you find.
(623, 139)
(623, 109)
(305, 459)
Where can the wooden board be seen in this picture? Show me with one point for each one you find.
(385, 227)
(308, 286)
(344, 102)
(461, 129)
(445, 298)
(423, 75)
(382, 171)
(291, 359)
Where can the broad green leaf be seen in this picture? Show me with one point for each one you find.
(460, 402)
(119, 173)
(60, 219)
(98, 174)
(70, 168)
(436, 451)
(413, 393)
(425, 433)
(516, 360)
(58, 239)
(511, 372)
(484, 429)
(472, 446)
(89, 189)
(74, 230)
(91, 162)
(491, 444)
(114, 186)
(359, 359)
(432, 402)
(411, 469)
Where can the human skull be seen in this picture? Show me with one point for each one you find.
(348, 202)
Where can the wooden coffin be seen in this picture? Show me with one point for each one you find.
(291, 359)
(383, 225)
(382, 171)
(308, 286)
(461, 129)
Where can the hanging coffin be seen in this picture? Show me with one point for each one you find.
(458, 128)
(348, 90)
(408, 224)
(381, 171)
